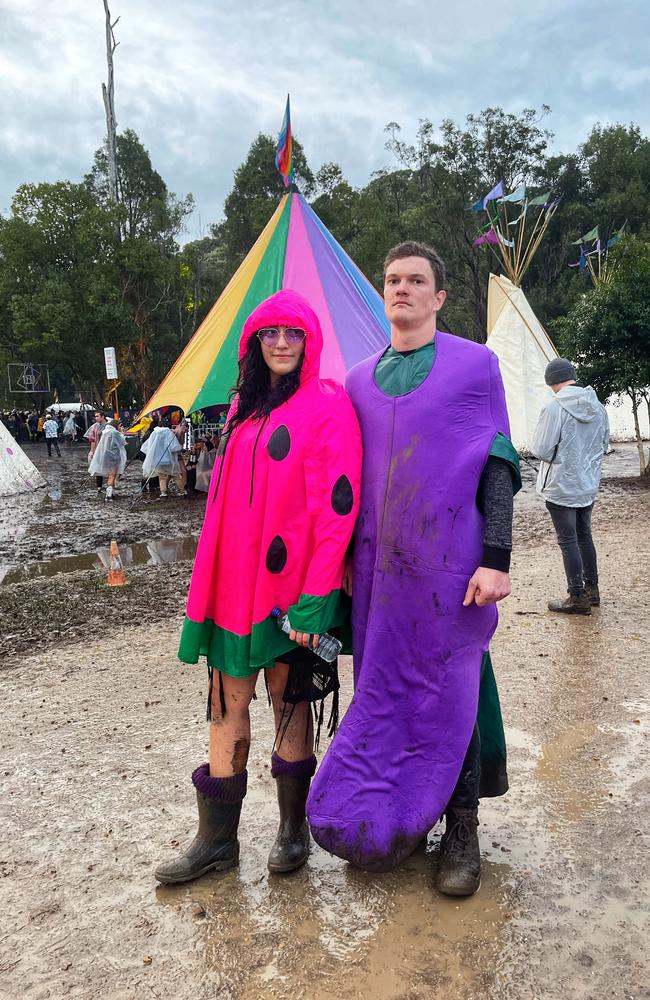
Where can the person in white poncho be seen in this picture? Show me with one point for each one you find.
(70, 428)
(109, 458)
(161, 458)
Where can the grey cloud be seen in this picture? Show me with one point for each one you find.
(198, 81)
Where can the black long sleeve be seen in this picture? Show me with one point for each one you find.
(494, 499)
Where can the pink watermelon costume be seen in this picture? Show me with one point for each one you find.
(280, 512)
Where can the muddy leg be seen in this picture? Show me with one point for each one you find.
(230, 733)
(111, 479)
(297, 741)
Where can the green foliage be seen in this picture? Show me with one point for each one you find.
(427, 198)
(57, 281)
(146, 208)
(78, 272)
(150, 219)
(256, 192)
(204, 272)
(607, 331)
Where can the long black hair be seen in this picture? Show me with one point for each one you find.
(257, 396)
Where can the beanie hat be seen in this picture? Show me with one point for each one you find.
(559, 370)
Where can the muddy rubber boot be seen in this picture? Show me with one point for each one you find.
(291, 847)
(574, 604)
(459, 868)
(215, 846)
(593, 594)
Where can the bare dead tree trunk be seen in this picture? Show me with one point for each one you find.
(108, 93)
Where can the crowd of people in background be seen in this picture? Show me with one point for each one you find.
(179, 462)
(175, 458)
(29, 425)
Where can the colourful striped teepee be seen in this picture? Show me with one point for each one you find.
(296, 251)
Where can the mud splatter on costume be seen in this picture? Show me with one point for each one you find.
(396, 758)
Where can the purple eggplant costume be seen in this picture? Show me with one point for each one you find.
(393, 765)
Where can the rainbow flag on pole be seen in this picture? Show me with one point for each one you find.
(296, 251)
(284, 148)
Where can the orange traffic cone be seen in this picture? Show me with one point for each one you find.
(116, 574)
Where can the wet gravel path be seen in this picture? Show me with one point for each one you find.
(102, 726)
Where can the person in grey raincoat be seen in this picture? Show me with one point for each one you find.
(571, 437)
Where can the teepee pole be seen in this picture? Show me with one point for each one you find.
(592, 271)
(506, 249)
(520, 235)
(528, 253)
(540, 236)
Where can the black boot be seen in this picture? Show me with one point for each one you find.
(215, 846)
(291, 847)
(592, 592)
(459, 869)
(575, 604)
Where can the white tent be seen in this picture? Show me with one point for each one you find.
(524, 349)
(69, 407)
(17, 473)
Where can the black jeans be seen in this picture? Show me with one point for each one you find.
(573, 529)
(49, 442)
(465, 794)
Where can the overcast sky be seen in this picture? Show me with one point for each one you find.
(198, 80)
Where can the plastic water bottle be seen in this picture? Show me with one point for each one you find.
(328, 647)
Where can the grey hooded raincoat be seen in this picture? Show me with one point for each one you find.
(571, 437)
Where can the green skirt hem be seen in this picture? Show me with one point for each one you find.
(243, 655)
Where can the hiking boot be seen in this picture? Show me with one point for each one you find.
(215, 846)
(574, 604)
(459, 866)
(291, 847)
(592, 592)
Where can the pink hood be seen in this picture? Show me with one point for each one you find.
(288, 308)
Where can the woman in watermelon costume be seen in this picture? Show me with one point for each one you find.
(280, 512)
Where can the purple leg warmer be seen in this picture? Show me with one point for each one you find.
(294, 768)
(222, 789)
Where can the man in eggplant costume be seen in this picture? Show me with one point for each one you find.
(423, 735)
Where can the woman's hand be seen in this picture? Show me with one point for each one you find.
(304, 639)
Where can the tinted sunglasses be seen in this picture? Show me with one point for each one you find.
(270, 335)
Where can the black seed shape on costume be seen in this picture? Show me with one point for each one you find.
(276, 557)
(342, 496)
(279, 443)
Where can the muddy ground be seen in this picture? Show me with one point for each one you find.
(102, 726)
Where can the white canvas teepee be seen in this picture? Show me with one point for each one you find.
(17, 473)
(524, 349)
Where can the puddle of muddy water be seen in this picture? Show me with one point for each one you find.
(151, 553)
(366, 935)
(572, 772)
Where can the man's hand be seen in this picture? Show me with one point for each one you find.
(347, 576)
(304, 638)
(487, 586)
